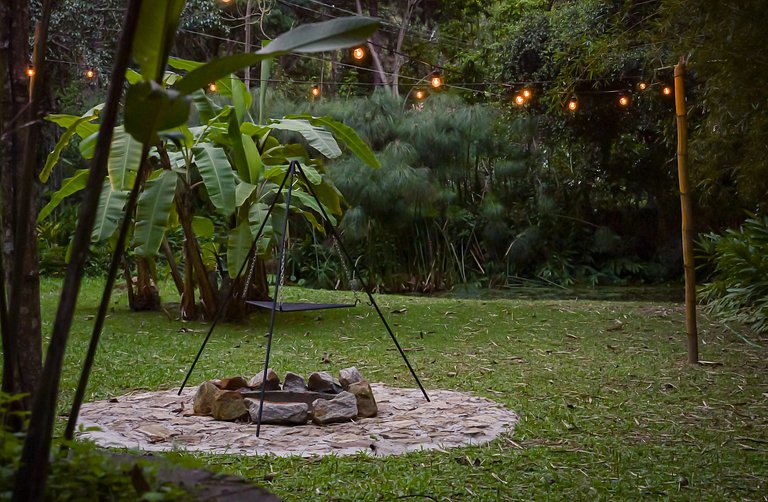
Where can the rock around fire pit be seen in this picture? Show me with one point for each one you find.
(321, 398)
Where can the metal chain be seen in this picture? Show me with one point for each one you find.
(282, 269)
(352, 282)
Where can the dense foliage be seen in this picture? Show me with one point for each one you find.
(506, 193)
(738, 292)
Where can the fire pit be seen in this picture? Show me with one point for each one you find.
(163, 420)
(320, 398)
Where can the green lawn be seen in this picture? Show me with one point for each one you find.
(609, 408)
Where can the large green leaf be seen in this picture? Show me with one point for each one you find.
(150, 108)
(243, 191)
(237, 150)
(124, 159)
(329, 196)
(329, 35)
(68, 187)
(266, 71)
(184, 64)
(152, 212)
(318, 138)
(253, 158)
(241, 98)
(203, 227)
(109, 214)
(53, 157)
(84, 127)
(205, 109)
(158, 21)
(346, 134)
(218, 177)
(88, 145)
(306, 200)
(256, 216)
(238, 244)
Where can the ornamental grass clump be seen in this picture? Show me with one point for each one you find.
(738, 291)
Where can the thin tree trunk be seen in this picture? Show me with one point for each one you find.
(147, 296)
(33, 471)
(380, 76)
(207, 293)
(177, 279)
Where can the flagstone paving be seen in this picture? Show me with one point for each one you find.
(164, 421)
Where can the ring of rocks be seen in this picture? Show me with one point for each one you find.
(163, 421)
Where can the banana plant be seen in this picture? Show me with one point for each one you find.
(232, 163)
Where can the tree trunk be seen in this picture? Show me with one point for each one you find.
(19, 132)
(193, 255)
(145, 295)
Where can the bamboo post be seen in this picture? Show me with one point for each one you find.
(687, 215)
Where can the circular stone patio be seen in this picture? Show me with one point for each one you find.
(163, 421)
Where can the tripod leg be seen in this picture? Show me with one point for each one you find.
(223, 306)
(278, 285)
(366, 286)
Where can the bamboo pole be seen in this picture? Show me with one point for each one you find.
(687, 215)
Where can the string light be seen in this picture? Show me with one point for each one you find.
(358, 53)
(624, 100)
(573, 104)
(30, 71)
(667, 90)
(212, 87)
(436, 81)
(642, 86)
(419, 94)
(519, 100)
(89, 74)
(527, 93)
(315, 91)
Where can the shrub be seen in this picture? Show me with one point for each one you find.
(738, 291)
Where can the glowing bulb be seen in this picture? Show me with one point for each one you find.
(642, 86)
(358, 53)
(519, 100)
(212, 87)
(315, 91)
(667, 90)
(526, 93)
(30, 72)
(90, 73)
(436, 81)
(419, 94)
(624, 101)
(573, 105)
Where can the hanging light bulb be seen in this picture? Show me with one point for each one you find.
(358, 53)
(436, 81)
(212, 87)
(30, 71)
(573, 104)
(519, 100)
(667, 90)
(642, 86)
(624, 100)
(315, 91)
(527, 93)
(89, 74)
(419, 94)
